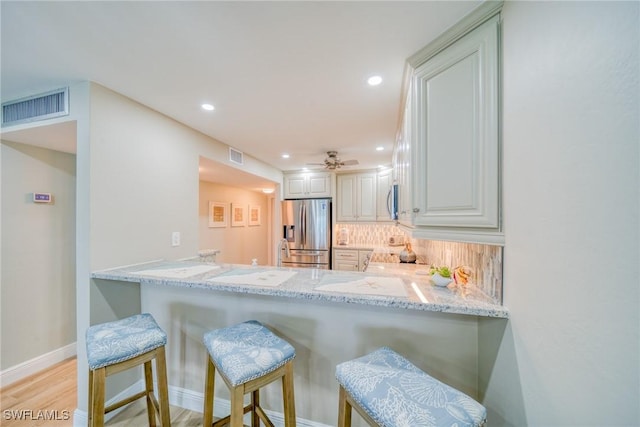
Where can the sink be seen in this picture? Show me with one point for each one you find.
(252, 276)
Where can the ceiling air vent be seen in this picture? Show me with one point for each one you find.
(39, 107)
(236, 156)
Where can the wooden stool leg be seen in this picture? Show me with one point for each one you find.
(344, 409)
(237, 407)
(255, 402)
(163, 387)
(148, 383)
(97, 398)
(208, 393)
(90, 402)
(288, 396)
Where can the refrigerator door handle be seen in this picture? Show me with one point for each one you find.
(303, 225)
(392, 202)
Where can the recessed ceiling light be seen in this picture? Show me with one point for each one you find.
(374, 80)
(285, 156)
(379, 148)
(268, 190)
(208, 107)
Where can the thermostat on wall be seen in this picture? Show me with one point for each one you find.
(42, 197)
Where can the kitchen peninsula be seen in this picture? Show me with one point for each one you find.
(328, 316)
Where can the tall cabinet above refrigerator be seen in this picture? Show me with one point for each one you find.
(306, 226)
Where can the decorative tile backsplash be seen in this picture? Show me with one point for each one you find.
(485, 260)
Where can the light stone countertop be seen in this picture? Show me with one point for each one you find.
(374, 287)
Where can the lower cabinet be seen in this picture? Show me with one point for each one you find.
(351, 259)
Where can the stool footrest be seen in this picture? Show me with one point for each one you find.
(264, 417)
(224, 421)
(125, 401)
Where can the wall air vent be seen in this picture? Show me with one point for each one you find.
(236, 156)
(39, 107)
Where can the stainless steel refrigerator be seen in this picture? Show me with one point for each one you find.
(306, 226)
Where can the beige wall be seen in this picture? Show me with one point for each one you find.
(38, 253)
(237, 245)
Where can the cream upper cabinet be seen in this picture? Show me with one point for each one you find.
(356, 197)
(402, 167)
(384, 180)
(455, 139)
(307, 185)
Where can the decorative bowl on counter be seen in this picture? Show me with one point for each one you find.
(438, 280)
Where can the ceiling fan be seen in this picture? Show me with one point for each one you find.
(333, 161)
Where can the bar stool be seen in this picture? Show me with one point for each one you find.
(116, 346)
(248, 356)
(388, 390)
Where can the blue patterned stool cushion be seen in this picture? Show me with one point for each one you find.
(247, 351)
(394, 393)
(124, 339)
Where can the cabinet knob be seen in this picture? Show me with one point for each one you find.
(416, 210)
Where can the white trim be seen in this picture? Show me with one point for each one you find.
(192, 401)
(474, 19)
(37, 364)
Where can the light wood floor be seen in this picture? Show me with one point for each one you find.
(54, 391)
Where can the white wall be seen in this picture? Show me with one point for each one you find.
(38, 248)
(137, 183)
(237, 245)
(570, 352)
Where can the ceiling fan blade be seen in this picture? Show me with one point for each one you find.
(349, 162)
(315, 164)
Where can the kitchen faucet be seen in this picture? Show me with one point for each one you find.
(283, 243)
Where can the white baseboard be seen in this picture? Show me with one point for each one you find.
(37, 364)
(192, 401)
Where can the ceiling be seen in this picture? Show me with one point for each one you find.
(284, 77)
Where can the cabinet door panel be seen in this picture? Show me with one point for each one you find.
(346, 266)
(346, 205)
(294, 187)
(451, 136)
(383, 188)
(367, 197)
(320, 185)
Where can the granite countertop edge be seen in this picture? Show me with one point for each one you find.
(299, 287)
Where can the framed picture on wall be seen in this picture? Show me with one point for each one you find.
(218, 213)
(254, 215)
(238, 215)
